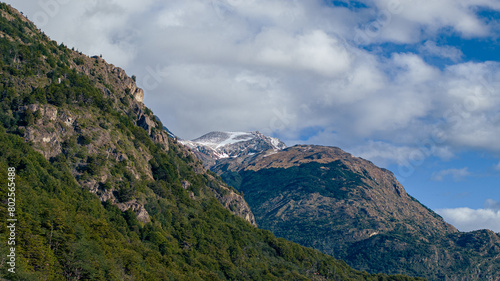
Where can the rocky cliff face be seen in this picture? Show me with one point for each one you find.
(60, 122)
(56, 129)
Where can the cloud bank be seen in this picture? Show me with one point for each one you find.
(305, 71)
(466, 219)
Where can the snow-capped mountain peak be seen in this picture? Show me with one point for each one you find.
(217, 145)
(219, 139)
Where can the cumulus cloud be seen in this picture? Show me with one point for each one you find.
(407, 158)
(467, 219)
(283, 67)
(314, 51)
(406, 21)
(447, 52)
(455, 174)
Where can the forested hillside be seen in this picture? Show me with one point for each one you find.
(345, 206)
(102, 193)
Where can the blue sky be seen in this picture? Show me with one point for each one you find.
(411, 85)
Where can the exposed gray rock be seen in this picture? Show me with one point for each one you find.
(216, 146)
(234, 203)
(137, 208)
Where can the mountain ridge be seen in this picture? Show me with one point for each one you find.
(382, 183)
(89, 157)
(56, 127)
(363, 211)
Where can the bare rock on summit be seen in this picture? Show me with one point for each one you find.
(214, 147)
(136, 92)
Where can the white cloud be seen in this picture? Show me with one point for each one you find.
(456, 174)
(467, 219)
(282, 67)
(411, 21)
(448, 52)
(407, 158)
(314, 51)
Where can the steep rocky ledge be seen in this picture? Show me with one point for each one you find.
(55, 128)
(68, 127)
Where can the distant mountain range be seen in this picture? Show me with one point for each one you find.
(327, 199)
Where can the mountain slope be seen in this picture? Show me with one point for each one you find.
(102, 193)
(70, 102)
(303, 180)
(323, 197)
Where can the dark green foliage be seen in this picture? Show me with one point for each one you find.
(304, 179)
(287, 202)
(124, 192)
(66, 233)
(457, 251)
(73, 236)
(95, 163)
(79, 61)
(84, 140)
(75, 88)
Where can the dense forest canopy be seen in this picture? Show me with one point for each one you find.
(64, 117)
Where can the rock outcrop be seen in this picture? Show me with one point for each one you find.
(54, 131)
(137, 208)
